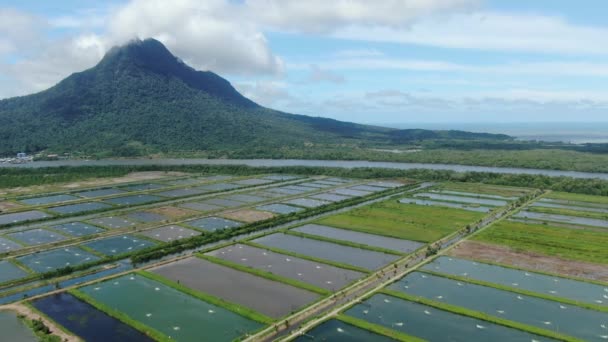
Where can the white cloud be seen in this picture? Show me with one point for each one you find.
(490, 31)
(322, 75)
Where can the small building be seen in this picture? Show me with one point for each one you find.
(21, 155)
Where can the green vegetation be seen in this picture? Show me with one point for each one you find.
(344, 242)
(308, 257)
(265, 274)
(518, 290)
(575, 244)
(577, 197)
(404, 221)
(241, 310)
(153, 333)
(482, 316)
(378, 329)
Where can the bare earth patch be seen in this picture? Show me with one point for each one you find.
(248, 215)
(30, 314)
(6, 206)
(533, 261)
(173, 212)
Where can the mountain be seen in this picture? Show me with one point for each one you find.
(140, 98)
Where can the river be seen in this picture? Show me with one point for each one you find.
(317, 163)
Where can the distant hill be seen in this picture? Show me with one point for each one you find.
(140, 99)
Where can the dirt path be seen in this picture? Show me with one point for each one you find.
(533, 261)
(30, 314)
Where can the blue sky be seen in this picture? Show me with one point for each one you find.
(385, 61)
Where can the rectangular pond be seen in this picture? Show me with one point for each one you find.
(562, 219)
(462, 199)
(330, 197)
(170, 233)
(200, 206)
(469, 207)
(79, 208)
(219, 187)
(299, 188)
(569, 207)
(283, 191)
(181, 192)
(321, 275)
(315, 185)
(14, 330)
(245, 198)
(384, 184)
(529, 281)
(36, 236)
(178, 315)
(432, 324)
(9, 272)
(212, 223)
(278, 208)
(307, 202)
(117, 245)
(350, 192)
(22, 216)
(400, 245)
(337, 331)
(100, 193)
(223, 202)
(253, 181)
(268, 297)
(369, 188)
(567, 319)
(7, 245)
(134, 199)
(474, 194)
(56, 258)
(146, 217)
(48, 199)
(85, 321)
(281, 177)
(112, 222)
(77, 229)
(366, 259)
(143, 187)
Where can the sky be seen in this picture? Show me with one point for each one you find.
(378, 62)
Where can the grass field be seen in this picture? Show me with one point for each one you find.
(574, 244)
(486, 189)
(569, 212)
(577, 197)
(404, 221)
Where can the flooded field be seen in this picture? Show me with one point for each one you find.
(112, 222)
(56, 258)
(337, 331)
(562, 219)
(307, 202)
(14, 330)
(116, 245)
(419, 201)
(86, 321)
(22, 216)
(278, 208)
(530, 281)
(134, 199)
(9, 272)
(177, 315)
(77, 229)
(404, 246)
(48, 199)
(79, 208)
(170, 233)
(432, 324)
(268, 297)
(321, 275)
(37, 236)
(212, 223)
(7, 245)
(571, 320)
(366, 259)
(462, 199)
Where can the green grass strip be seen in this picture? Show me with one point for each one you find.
(307, 257)
(563, 300)
(265, 274)
(151, 332)
(241, 310)
(378, 329)
(482, 316)
(345, 243)
(92, 251)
